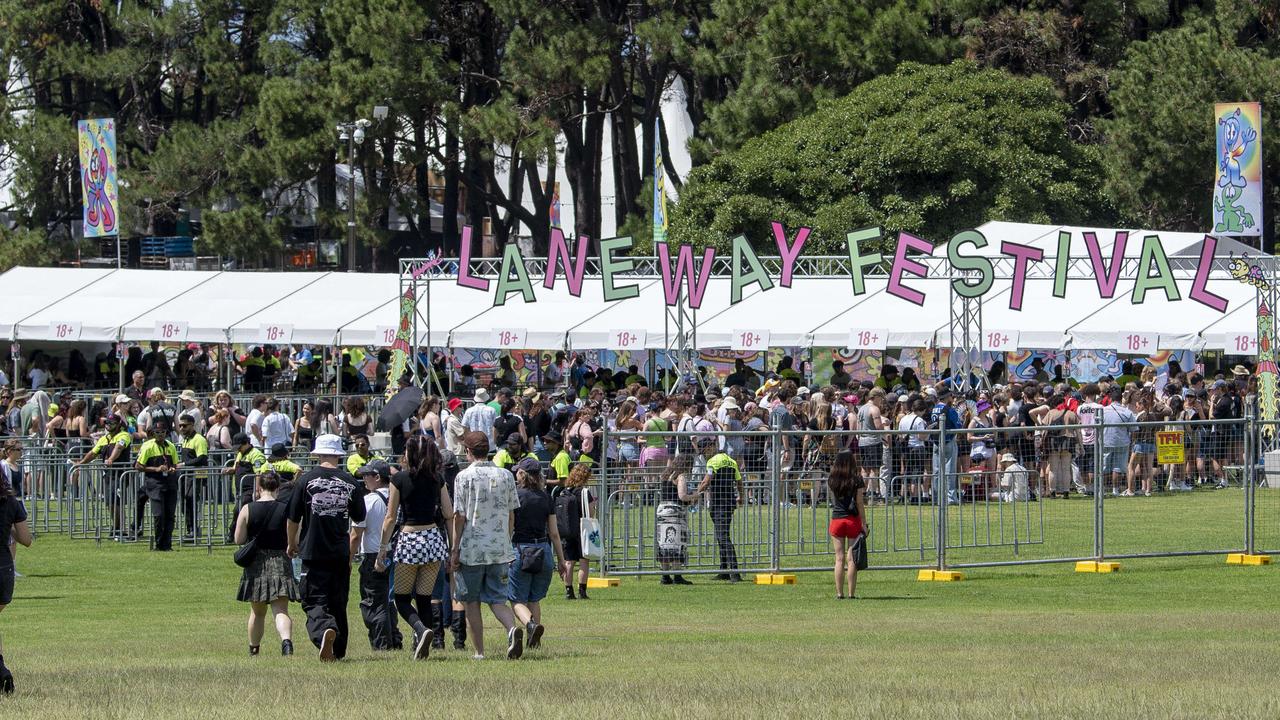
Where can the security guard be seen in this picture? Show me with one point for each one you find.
(113, 449)
(158, 461)
(511, 453)
(271, 366)
(195, 454)
(362, 456)
(255, 369)
(248, 462)
(287, 469)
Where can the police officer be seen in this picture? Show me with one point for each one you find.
(287, 469)
(248, 462)
(195, 454)
(113, 449)
(158, 461)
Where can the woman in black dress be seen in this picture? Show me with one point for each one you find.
(269, 580)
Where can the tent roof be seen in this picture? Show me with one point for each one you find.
(25, 291)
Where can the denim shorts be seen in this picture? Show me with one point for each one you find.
(1144, 449)
(481, 583)
(523, 587)
(1115, 458)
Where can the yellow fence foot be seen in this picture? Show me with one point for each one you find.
(775, 579)
(596, 583)
(1095, 566)
(1247, 559)
(939, 576)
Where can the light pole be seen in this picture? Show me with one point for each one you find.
(352, 133)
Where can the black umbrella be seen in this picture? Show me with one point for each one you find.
(402, 406)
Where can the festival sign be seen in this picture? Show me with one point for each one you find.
(98, 182)
(1171, 448)
(686, 278)
(1237, 188)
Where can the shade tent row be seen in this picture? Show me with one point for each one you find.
(358, 308)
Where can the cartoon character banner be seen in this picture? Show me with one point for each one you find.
(1237, 190)
(98, 182)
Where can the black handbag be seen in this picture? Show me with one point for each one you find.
(533, 559)
(248, 552)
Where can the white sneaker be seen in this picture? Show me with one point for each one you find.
(1127, 493)
(477, 656)
(1146, 493)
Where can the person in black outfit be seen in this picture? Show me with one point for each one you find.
(158, 461)
(724, 481)
(268, 581)
(324, 503)
(13, 522)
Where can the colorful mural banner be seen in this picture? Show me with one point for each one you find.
(99, 185)
(1237, 188)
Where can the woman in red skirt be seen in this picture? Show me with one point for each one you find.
(848, 534)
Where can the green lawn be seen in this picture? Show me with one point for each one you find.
(117, 632)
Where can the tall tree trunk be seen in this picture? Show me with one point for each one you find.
(449, 225)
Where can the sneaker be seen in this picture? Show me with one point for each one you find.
(1222, 485)
(326, 645)
(1127, 493)
(253, 650)
(6, 681)
(535, 635)
(515, 643)
(422, 644)
(1146, 493)
(286, 648)
(568, 594)
(477, 656)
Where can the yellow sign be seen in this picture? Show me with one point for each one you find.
(1170, 449)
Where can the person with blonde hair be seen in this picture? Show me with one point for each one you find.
(569, 513)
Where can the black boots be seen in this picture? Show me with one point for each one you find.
(437, 626)
(459, 629)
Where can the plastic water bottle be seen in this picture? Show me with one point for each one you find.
(297, 569)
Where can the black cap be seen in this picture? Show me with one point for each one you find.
(515, 438)
(551, 437)
(240, 439)
(279, 450)
(530, 465)
(376, 467)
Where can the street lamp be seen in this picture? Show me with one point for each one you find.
(352, 133)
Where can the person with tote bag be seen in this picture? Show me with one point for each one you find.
(573, 515)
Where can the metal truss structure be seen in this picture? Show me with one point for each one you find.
(965, 313)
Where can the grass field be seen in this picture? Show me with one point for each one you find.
(117, 632)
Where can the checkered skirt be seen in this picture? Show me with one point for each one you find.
(420, 547)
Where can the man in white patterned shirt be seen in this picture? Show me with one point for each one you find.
(484, 504)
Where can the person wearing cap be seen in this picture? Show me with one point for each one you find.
(480, 416)
(324, 503)
(194, 453)
(362, 454)
(1015, 480)
(366, 537)
(511, 453)
(113, 449)
(247, 463)
(724, 483)
(287, 469)
(158, 461)
(535, 536)
(453, 427)
(190, 407)
(484, 502)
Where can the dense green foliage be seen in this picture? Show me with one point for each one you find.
(929, 149)
(227, 108)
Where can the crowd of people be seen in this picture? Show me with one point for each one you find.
(484, 497)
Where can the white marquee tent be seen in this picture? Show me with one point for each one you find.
(102, 306)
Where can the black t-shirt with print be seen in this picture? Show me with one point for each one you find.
(326, 500)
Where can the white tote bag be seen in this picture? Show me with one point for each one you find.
(589, 531)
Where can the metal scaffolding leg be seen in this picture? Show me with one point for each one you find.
(681, 340)
(966, 334)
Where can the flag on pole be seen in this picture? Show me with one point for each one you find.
(659, 188)
(98, 182)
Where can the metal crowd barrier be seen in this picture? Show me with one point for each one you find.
(948, 508)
